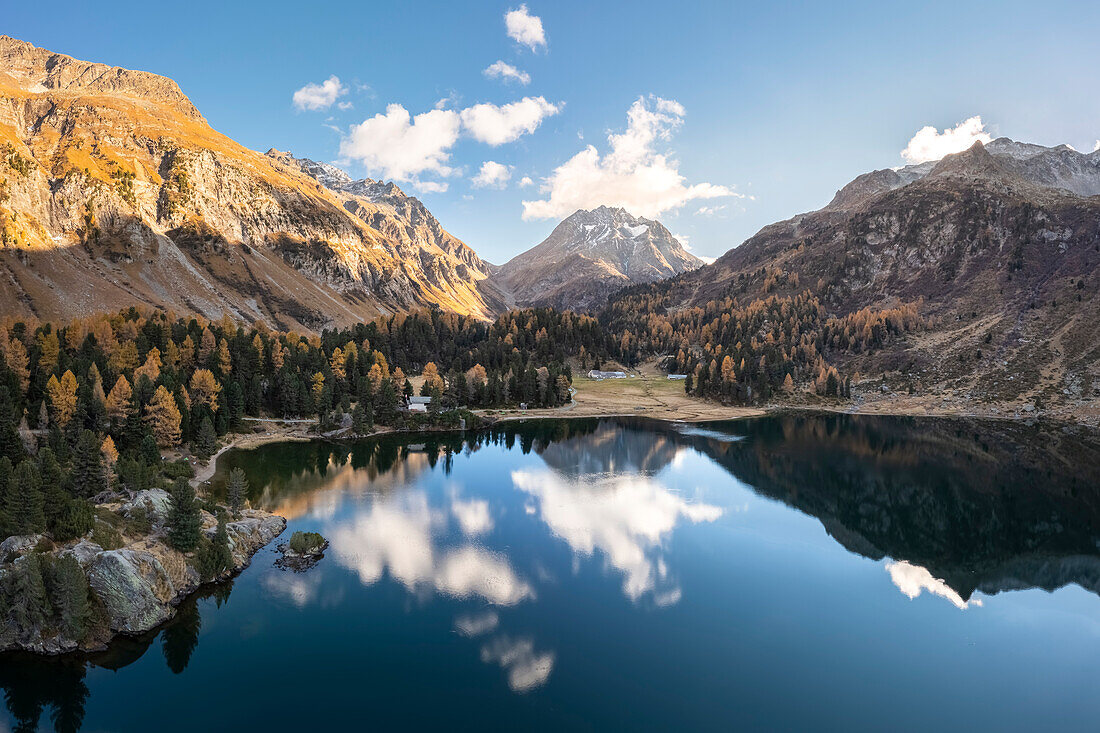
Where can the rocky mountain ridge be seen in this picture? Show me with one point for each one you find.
(1060, 167)
(589, 255)
(999, 245)
(115, 191)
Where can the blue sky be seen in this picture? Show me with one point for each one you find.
(763, 109)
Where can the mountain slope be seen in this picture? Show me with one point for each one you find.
(999, 244)
(590, 255)
(114, 190)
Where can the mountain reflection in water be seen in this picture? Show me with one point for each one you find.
(953, 508)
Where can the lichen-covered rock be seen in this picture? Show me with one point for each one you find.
(18, 545)
(84, 552)
(134, 588)
(155, 502)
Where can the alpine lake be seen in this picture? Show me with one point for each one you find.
(790, 572)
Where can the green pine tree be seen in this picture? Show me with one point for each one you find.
(11, 445)
(77, 521)
(24, 501)
(184, 521)
(236, 489)
(362, 418)
(29, 605)
(206, 442)
(88, 475)
(54, 496)
(385, 403)
(150, 453)
(223, 558)
(68, 591)
(6, 477)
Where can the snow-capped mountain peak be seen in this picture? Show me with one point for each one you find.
(590, 254)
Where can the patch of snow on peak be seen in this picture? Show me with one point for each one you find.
(637, 231)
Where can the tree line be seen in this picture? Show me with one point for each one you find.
(749, 352)
(91, 404)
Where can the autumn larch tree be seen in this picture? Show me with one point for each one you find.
(62, 395)
(163, 418)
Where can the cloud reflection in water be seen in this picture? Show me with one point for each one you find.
(526, 668)
(626, 518)
(395, 535)
(913, 579)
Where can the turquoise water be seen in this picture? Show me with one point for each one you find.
(792, 572)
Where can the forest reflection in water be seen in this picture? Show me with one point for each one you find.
(956, 508)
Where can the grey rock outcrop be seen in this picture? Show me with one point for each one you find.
(84, 552)
(155, 503)
(18, 545)
(134, 587)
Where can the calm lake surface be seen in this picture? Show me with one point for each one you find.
(790, 572)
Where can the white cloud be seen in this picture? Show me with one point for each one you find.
(492, 175)
(495, 125)
(710, 210)
(525, 28)
(402, 147)
(449, 101)
(501, 70)
(930, 144)
(912, 579)
(526, 669)
(633, 175)
(430, 186)
(525, 182)
(320, 96)
(626, 518)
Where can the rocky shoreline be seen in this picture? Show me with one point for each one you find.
(136, 587)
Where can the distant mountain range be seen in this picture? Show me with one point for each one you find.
(114, 190)
(1000, 244)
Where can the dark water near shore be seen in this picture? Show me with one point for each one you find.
(790, 572)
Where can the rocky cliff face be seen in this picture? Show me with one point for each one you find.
(591, 254)
(114, 190)
(416, 235)
(1000, 244)
(136, 587)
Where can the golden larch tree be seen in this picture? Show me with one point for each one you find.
(205, 389)
(62, 394)
(163, 418)
(120, 400)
